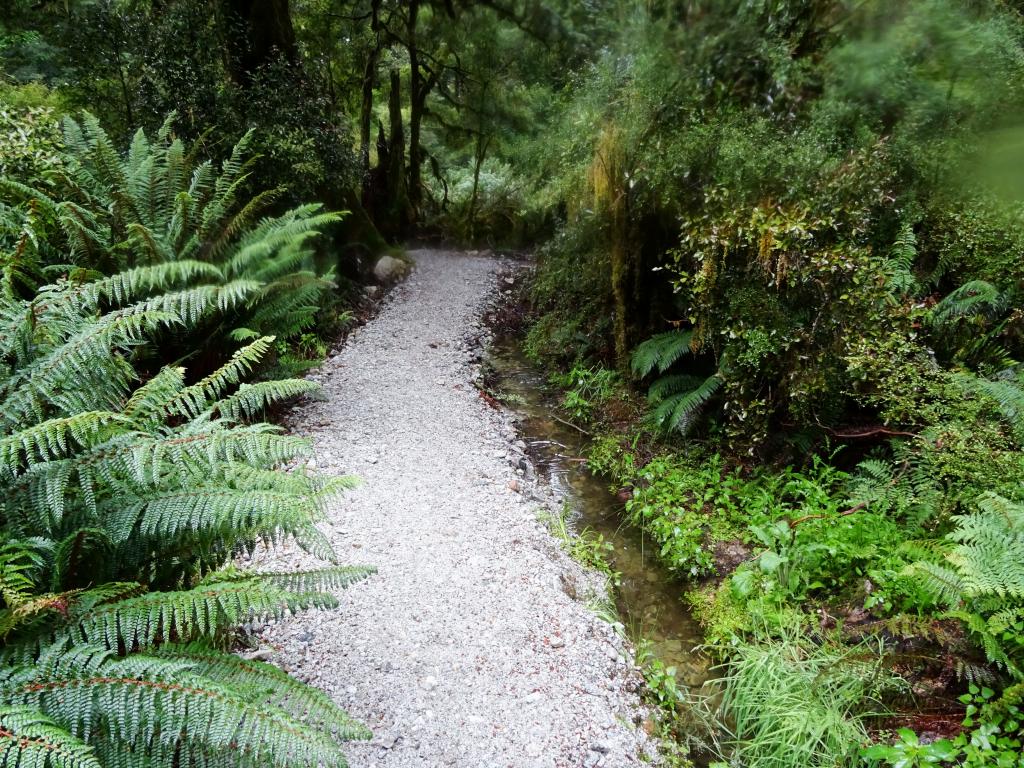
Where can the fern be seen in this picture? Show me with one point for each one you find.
(899, 266)
(679, 399)
(29, 739)
(679, 411)
(661, 352)
(207, 611)
(981, 577)
(300, 701)
(976, 297)
(181, 225)
(1006, 394)
(120, 504)
(147, 701)
(990, 549)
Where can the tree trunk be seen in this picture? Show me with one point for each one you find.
(417, 101)
(623, 280)
(366, 110)
(611, 191)
(397, 192)
(259, 31)
(482, 144)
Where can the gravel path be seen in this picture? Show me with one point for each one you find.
(467, 648)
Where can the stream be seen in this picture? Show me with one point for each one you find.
(649, 598)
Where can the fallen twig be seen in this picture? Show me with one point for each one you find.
(570, 424)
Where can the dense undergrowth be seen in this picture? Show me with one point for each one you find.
(789, 225)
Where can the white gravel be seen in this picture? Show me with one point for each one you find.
(466, 649)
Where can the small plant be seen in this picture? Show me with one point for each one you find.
(586, 389)
(510, 399)
(993, 736)
(793, 702)
(909, 752)
(685, 721)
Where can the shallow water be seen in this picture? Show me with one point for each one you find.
(649, 598)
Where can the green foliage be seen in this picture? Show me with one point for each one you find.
(1008, 395)
(670, 502)
(142, 707)
(33, 740)
(679, 398)
(909, 752)
(992, 737)
(586, 389)
(584, 546)
(661, 352)
(794, 703)
(123, 498)
(570, 297)
(981, 580)
(30, 142)
(687, 504)
(795, 212)
(155, 207)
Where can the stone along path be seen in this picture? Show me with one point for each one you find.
(466, 648)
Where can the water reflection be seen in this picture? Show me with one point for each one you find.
(649, 599)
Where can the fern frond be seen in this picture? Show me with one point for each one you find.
(194, 399)
(301, 582)
(268, 685)
(680, 411)
(990, 550)
(53, 439)
(900, 264)
(144, 700)
(29, 739)
(252, 398)
(974, 297)
(661, 351)
(943, 584)
(672, 384)
(149, 401)
(19, 566)
(1007, 395)
(131, 284)
(206, 611)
